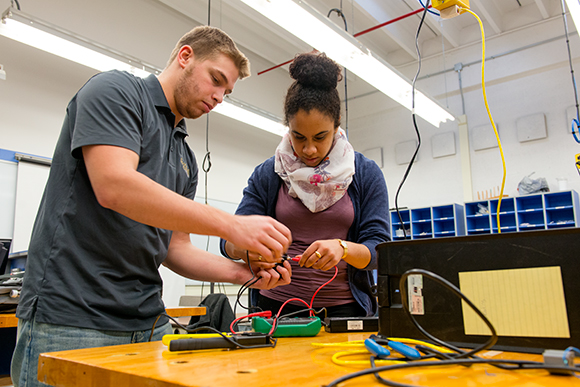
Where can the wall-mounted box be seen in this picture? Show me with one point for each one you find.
(532, 127)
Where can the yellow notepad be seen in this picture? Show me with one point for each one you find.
(518, 302)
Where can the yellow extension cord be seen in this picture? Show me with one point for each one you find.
(337, 357)
(489, 113)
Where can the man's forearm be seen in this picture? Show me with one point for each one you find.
(194, 263)
(120, 187)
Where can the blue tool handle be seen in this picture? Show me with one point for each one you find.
(376, 349)
(405, 350)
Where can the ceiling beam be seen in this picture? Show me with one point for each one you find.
(448, 28)
(489, 13)
(396, 32)
(543, 8)
(234, 19)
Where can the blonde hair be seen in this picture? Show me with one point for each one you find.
(208, 42)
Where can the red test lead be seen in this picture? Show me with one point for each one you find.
(285, 257)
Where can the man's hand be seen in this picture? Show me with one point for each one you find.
(262, 235)
(270, 278)
(189, 261)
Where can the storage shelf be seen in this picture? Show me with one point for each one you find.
(429, 222)
(547, 210)
(523, 213)
(397, 232)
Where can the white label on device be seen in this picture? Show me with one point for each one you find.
(416, 301)
(354, 325)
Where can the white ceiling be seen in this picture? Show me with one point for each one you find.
(157, 24)
(395, 43)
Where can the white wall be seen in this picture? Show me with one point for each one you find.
(534, 80)
(38, 87)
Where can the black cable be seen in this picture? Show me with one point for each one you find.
(208, 12)
(206, 163)
(154, 323)
(287, 315)
(461, 357)
(575, 128)
(241, 291)
(521, 364)
(239, 295)
(206, 166)
(341, 14)
(414, 120)
(17, 4)
(404, 300)
(275, 319)
(433, 352)
(245, 286)
(211, 329)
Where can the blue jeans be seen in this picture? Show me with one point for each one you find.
(35, 338)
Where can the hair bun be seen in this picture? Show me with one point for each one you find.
(316, 71)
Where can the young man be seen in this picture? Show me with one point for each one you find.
(119, 202)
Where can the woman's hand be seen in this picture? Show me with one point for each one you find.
(325, 254)
(322, 255)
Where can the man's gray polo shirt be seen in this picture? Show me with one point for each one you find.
(89, 266)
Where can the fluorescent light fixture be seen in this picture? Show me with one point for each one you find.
(251, 115)
(574, 8)
(50, 38)
(47, 37)
(313, 28)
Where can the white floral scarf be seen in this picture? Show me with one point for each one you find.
(317, 187)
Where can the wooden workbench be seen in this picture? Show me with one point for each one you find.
(294, 362)
(8, 320)
(7, 341)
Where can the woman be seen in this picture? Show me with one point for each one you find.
(333, 199)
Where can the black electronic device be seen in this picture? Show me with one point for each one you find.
(448, 257)
(351, 324)
(4, 251)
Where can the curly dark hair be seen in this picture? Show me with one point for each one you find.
(316, 77)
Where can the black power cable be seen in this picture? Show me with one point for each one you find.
(576, 121)
(206, 164)
(460, 357)
(341, 14)
(271, 344)
(245, 286)
(404, 300)
(426, 6)
(516, 364)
